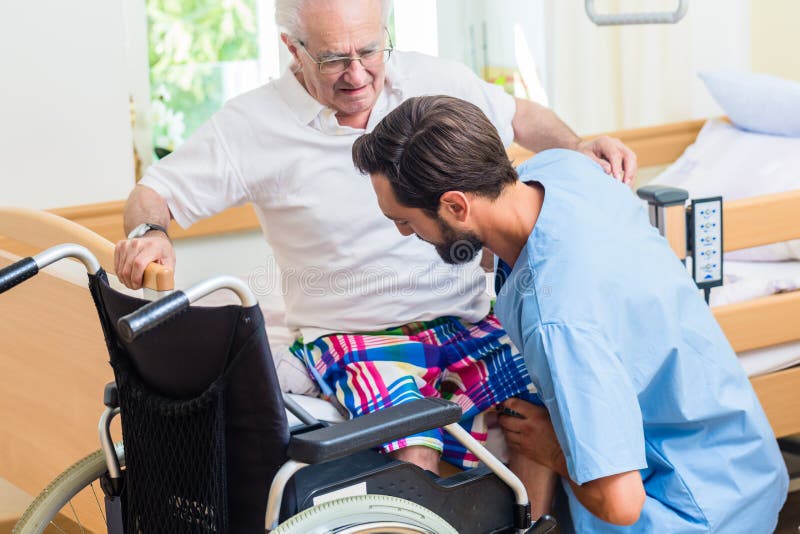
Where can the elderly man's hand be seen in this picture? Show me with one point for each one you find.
(532, 435)
(132, 256)
(612, 154)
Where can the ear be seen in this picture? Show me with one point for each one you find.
(291, 46)
(454, 206)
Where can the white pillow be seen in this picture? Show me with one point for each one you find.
(757, 102)
(735, 164)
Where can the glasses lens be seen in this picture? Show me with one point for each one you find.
(334, 65)
(373, 58)
(369, 59)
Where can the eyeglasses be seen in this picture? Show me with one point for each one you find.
(336, 65)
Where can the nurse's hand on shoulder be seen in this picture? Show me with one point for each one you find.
(613, 156)
(132, 256)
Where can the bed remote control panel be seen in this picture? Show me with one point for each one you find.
(706, 231)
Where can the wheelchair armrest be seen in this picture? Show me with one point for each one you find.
(372, 430)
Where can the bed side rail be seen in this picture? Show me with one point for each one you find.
(755, 221)
(746, 223)
(42, 230)
(761, 220)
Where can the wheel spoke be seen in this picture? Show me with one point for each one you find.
(59, 528)
(77, 519)
(99, 507)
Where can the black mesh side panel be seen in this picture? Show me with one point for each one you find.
(175, 455)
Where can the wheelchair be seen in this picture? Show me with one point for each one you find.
(207, 445)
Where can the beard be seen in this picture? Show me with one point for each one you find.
(457, 247)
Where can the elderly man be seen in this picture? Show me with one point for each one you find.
(285, 147)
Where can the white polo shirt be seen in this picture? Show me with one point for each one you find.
(344, 266)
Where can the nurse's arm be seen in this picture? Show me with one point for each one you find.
(616, 499)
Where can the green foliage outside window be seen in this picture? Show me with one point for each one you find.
(189, 41)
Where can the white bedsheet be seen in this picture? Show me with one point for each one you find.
(748, 280)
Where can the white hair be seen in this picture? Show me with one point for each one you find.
(287, 16)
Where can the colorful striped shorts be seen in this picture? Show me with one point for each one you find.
(474, 365)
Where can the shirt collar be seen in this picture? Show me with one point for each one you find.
(302, 104)
(310, 112)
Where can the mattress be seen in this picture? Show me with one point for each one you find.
(748, 280)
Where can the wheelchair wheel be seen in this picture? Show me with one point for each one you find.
(73, 502)
(366, 514)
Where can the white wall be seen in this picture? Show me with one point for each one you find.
(244, 254)
(609, 78)
(605, 78)
(774, 37)
(138, 65)
(415, 26)
(65, 136)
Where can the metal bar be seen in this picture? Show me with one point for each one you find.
(68, 250)
(298, 411)
(104, 430)
(618, 19)
(276, 489)
(491, 461)
(201, 289)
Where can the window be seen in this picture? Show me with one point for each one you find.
(202, 53)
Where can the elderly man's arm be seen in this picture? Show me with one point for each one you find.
(131, 256)
(538, 128)
(616, 499)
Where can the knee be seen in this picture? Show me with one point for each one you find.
(424, 457)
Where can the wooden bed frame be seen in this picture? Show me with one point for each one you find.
(53, 359)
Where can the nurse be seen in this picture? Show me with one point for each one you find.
(648, 418)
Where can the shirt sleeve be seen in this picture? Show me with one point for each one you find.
(198, 180)
(591, 400)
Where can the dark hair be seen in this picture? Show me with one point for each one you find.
(433, 144)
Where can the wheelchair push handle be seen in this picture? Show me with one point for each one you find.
(151, 315)
(17, 272)
(26, 268)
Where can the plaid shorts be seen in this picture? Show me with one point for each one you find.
(473, 365)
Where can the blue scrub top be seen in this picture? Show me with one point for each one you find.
(631, 364)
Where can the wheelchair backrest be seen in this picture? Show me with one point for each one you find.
(203, 419)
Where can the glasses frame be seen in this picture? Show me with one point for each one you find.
(349, 59)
